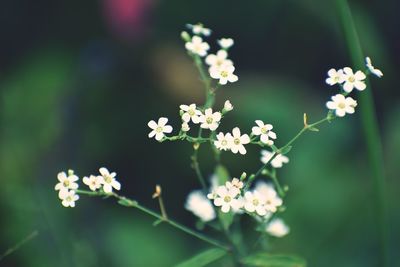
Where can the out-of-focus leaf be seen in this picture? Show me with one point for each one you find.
(226, 219)
(270, 260)
(222, 173)
(204, 258)
(286, 150)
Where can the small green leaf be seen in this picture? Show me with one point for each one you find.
(222, 173)
(313, 129)
(270, 260)
(226, 219)
(203, 258)
(285, 150)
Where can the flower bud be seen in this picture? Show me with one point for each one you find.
(185, 36)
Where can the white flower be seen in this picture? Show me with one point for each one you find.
(190, 113)
(372, 69)
(210, 120)
(185, 127)
(223, 73)
(225, 43)
(226, 198)
(223, 142)
(66, 182)
(277, 228)
(94, 182)
(159, 128)
(254, 202)
(228, 106)
(238, 141)
(197, 46)
(353, 80)
(220, 59)
(199, 29)
(342, 105)
(234, 183)
(263, 188)
(277, 162)
(109, 181)
(335, 76)
(69, 198)
(265, 131)
(271, 199)
(199, 205)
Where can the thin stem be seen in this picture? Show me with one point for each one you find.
(124, 201)
(19, 245)
(196, 167)
(370, 129)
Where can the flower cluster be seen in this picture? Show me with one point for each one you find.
(348, 80)
(220, 67)
(68, 186)
(233, 141)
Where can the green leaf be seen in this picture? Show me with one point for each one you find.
(203, 258)
(222, 173)
(226, 219)
(313, 129)
(286, 150)
(270, 260)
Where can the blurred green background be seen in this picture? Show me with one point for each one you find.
(79, 80)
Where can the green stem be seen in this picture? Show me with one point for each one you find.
(370, 129)
(124, 201)
(19, 245)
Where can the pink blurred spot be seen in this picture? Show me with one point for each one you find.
(128, 19)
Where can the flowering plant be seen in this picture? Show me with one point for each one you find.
(222, 200)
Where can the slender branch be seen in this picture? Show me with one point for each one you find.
(370, 129)
(124, 201)
(19, 244)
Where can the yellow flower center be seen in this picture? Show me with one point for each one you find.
(342, 105)
(209, 120)
(227, 199)
(351, 79)
(191, 112)
(236, 141)
(66, 183)
(159, 129)
(224, 142)
(255, 202)
(108, 179)
(264, 130)
(224, 74)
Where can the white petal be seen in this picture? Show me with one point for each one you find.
(159, 136)
(152, 134)
(236, 132)
(116, 185)
(167, 129)
(152, 124)
(162, 121)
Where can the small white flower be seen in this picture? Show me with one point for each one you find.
(335, 76)
(197, 46)
(109, 181)
(234, 183)
(277, 162)
(159, 128)
(210, 120)
(372, 69)
(223, 142)
(277, 228)
(265, 131)
(185, 127)
(190, 113)
(238, 141)
(225, 43)
(228, 106)
(223, 73)
(254, 202)
(271, 199)
(342, 105)
(263, 188)
(226, 198)
(66, 182)
(199, 205)
(220, 59)
(69, 198)
(94, 182)
(199, 29)
(353, 80)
